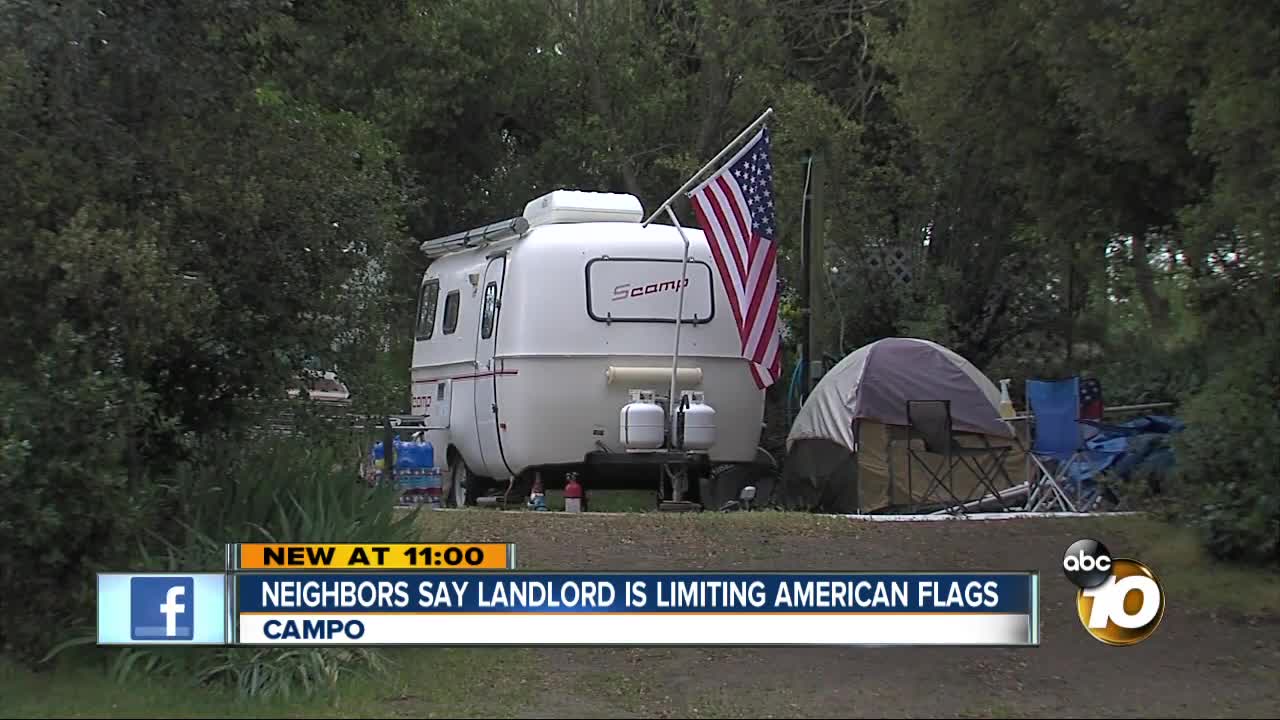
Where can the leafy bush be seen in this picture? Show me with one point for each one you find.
(298, 489)
(68, 507)
(295, 489)
(1144, 370)
(1229, 457)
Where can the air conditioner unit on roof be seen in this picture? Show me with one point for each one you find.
(575, 206)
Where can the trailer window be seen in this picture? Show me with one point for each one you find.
(427, 309)
(490, 310)
(647, 290)
(451, 312)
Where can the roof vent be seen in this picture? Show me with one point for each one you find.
(576, 206)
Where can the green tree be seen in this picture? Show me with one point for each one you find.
(179, 238)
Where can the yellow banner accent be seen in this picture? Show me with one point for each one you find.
(374, 556)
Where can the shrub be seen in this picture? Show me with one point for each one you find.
(68, 507)
(297, 489)
(1145, 370)
(1228, 476)
(294, 489)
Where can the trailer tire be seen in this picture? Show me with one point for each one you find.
(462, 485)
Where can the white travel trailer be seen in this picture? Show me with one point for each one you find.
(533, 334)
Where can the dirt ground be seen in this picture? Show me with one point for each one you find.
(1201, 661)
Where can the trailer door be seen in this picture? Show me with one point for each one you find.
(489, 371)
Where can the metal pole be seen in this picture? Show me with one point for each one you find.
(814, 253)
(675, 353)
(388, 453)
(806, 305)
(719, 156)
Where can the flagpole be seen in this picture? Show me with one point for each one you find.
(675, 353)
(714, 161)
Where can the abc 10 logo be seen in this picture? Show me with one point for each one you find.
(1120, 601)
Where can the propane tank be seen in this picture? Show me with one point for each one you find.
(573, 495)
(1006, 402)
(699, 421)
(641, 423)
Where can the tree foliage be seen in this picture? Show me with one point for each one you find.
(1130, 147)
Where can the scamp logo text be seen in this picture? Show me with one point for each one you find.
(627, 290)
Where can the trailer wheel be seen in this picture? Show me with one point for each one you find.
(462, 485)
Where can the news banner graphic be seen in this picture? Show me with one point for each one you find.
(636, 609)
(1120, 601)
(447, 594)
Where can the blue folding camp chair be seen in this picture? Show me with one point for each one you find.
(1064, 464)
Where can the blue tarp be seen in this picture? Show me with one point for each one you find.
(1123, 450)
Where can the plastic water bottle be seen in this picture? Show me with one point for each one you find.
(1006, 402)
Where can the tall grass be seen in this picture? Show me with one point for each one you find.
(294, 489)
(276, 490)
(251, 672)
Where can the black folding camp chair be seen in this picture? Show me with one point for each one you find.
(930, 420)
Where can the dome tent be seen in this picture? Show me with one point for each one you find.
(839, 448)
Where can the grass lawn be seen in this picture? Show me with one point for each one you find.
(422, 682)
(601, 501)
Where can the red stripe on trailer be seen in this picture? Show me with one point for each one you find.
(472, 376)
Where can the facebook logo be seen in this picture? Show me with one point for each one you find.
(163, 608)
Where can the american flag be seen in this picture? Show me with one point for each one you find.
(1090, 399)
(735, 210)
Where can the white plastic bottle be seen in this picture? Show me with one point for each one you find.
(1006, 402)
